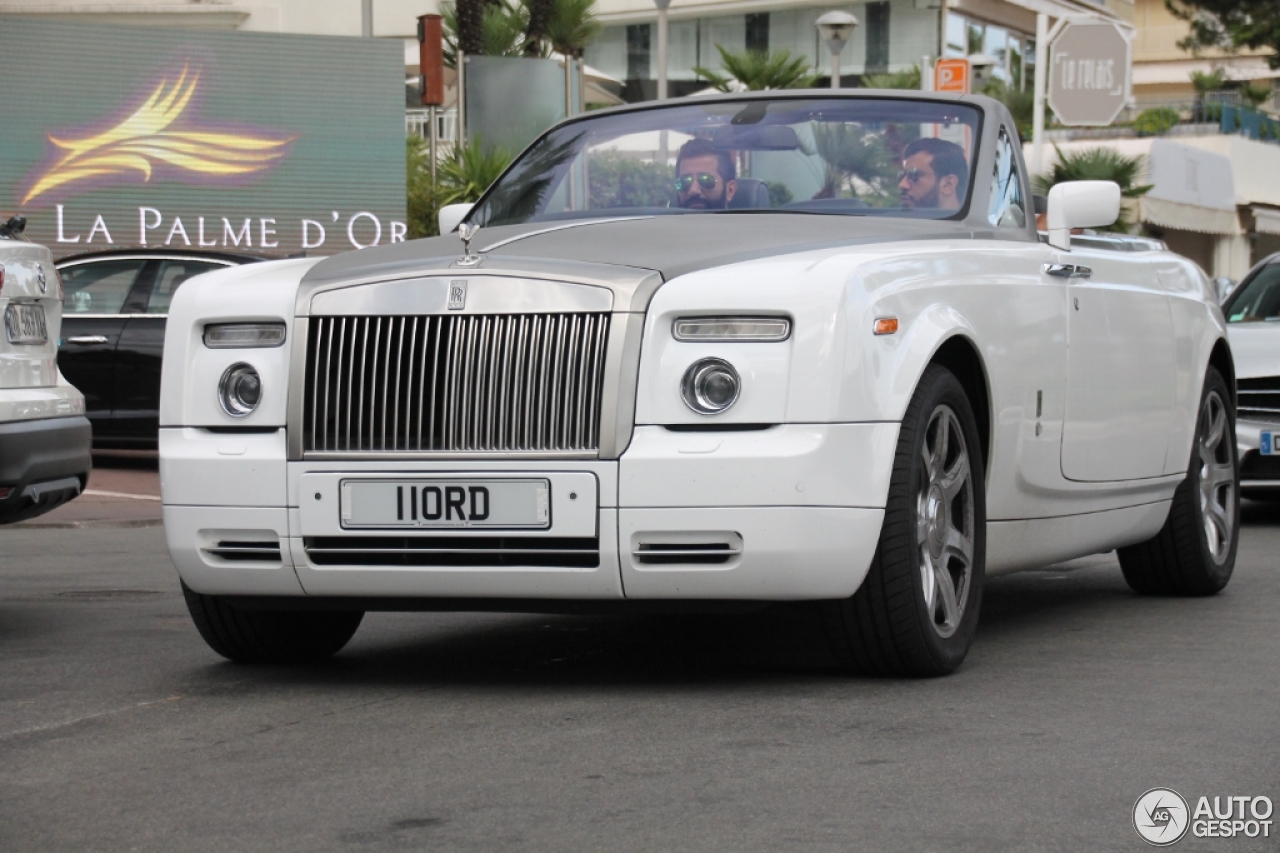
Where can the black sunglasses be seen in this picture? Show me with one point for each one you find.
(706, 180)
(912, 175)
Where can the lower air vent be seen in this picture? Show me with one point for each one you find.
(657, 549)
(1255, 466)
(237, 551)
(486, 551)
(1258, 399)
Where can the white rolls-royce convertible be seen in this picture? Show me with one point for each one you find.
(712, 352)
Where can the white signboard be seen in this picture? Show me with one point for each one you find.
(1090, 61)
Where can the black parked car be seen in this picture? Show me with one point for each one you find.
(113, 319)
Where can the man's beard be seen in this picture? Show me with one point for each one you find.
(929, 199)
(701, 202)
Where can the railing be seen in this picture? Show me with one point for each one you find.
(418, 122)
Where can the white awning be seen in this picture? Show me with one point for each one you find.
(1180, 70)
(1266, 220)
(1181, 216)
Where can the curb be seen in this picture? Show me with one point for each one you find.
(104, 524)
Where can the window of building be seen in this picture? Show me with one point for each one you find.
(638, 51)
(877, 38)
(758, 32)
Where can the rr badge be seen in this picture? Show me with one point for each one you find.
(457, 294)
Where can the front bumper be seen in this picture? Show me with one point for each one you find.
(1258, 474)
(43, 464)
(787, 513)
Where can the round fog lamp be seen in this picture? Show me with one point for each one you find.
(710, 386)
(240, 390)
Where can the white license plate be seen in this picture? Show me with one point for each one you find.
(1267, 443)
(24, 324)
(443, 503)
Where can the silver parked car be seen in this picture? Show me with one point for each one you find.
(44, 435)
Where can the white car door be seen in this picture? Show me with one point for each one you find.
(1120, 367)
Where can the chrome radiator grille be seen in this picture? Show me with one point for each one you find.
(508, 382)
(1258, 399)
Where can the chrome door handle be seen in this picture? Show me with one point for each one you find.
(1067, 271)
(87, 339)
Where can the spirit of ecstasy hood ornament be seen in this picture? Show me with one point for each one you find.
(467, 232)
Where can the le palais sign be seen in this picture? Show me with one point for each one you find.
(130, 136)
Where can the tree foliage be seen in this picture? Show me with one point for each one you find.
(530, 28)
(755, 70)
(461, 176)
(1231, 25)
(908, 79)
(572, 26)
(1099, 164)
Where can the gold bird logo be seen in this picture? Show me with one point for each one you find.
(152, 134)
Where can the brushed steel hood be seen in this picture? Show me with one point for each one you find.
(631, 256)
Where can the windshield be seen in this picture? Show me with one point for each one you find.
(860, 157)
(1257, 299)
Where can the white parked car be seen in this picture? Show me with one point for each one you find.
(1253, 326)
(44, 435)
(801, 346)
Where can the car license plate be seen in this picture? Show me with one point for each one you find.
(1267, 444)
(441, 503)
(24, 324)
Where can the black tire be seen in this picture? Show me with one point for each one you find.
(891, 626)
(1193, 554)
(269, 636)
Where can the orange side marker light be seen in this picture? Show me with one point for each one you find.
(886, 325)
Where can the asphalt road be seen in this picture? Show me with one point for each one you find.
(120, 730)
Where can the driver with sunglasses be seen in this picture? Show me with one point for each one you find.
(705, 176)
(934, 175)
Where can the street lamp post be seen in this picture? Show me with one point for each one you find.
(662, 5)
(835, 28)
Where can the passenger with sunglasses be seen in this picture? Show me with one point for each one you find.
(705, 176)
(934, 175)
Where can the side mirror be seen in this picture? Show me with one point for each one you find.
(1081, 204)
(1223, 287)
(451, 215)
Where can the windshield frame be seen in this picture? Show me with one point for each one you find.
(978, 164)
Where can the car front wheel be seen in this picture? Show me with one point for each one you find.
(916, 612)
(269, 636)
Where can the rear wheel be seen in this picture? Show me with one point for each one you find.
(916, 612)
(269, 636)
(1195, 552)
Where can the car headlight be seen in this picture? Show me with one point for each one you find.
(710, 386)
(240, 390)
(743, 329)
(242, 335)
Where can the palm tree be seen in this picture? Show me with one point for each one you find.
(1099, 164)
(467, 25)
(469, 170)
(1204, 83)
(571, 26)
(759, 69)
(540, 12)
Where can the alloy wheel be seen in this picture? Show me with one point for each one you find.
(945, 521)
(1217, 477)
